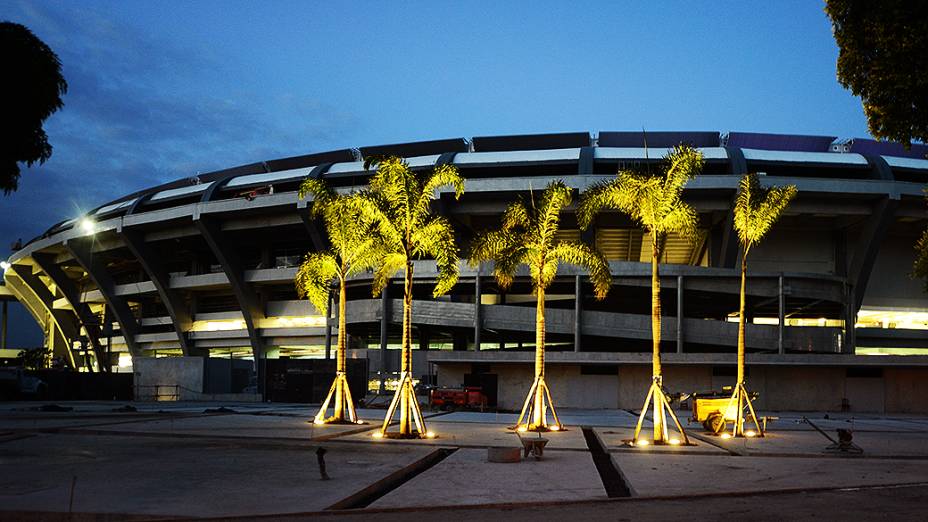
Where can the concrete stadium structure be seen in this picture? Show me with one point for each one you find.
(203, 268)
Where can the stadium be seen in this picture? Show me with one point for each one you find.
(189, 285)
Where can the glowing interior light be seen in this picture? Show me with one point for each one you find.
(429, 435)
(726, 435)
(750, 433)
(377, 435)
(674, 442)
(642, 442)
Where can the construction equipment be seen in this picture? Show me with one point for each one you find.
(469, 397)
(715, 410)
(845, 442)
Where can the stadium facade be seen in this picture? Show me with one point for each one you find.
(200, 269)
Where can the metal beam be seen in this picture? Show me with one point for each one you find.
(153, 265)
(868, 245)
(68, 288)
(65, 323)
(248, 300)
(81, 250)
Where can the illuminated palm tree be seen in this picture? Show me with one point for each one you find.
(354, 249)
(398, 202)
(920, 269)
(656, 202)
(756, 210)
(527, 237)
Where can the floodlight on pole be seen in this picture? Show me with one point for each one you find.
(5, 265)
(87, 226)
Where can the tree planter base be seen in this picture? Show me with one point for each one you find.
(412, 425)
(340, 395)
(740, 398)
(534, 412)
(662, 409)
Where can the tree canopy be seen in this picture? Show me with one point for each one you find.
(883, 59)
(355, 246)
(528, 236)
(654, 200)
(757, 209)
(29, 93)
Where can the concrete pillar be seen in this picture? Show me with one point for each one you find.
(578, 311)
(679, 314)
(328, 328)
(3, 330)
(478, 320)
(781, 315)
(384, 321)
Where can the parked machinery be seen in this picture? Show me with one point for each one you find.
(469, 397)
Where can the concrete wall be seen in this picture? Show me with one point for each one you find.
(889, 284)
(780, 388)
(781, 252)
(154, 376)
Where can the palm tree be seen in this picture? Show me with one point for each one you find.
(398, 202)
(527, 237)
(354, 249)
(656, 202)
(756, 210)
(920, 268)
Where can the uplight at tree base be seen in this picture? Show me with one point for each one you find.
(642, 443)
(377, 435)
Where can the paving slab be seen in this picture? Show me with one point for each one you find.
(665, 475)
(877, 444)
(146, 475)
(465, 477)
(614, 440)
(569, 417)
(472, 434)
(235, 425)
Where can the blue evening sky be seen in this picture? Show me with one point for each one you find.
(162, 90)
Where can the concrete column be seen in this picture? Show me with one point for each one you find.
(3, 326)
(578, 311)
(679, 314)
(478, 319)
(781, 315)
(384, 321)
(328, 327)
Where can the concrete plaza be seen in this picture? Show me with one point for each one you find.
(186, 460)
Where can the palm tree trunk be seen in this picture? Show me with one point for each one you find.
(655, 310)
(540, 335)
(339, 413)
(407, 395)
(744, 266)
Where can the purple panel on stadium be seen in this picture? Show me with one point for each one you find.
(658, 139)
(888, 148)
(792, 142)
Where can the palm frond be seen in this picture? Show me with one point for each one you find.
(390, 264)
(757, 209)
(444, 175)
(314, 279)
(590, 259)
(435, 238)
(600, 196)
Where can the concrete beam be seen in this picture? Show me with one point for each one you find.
(65, 323)
(868, 245)
(80, 249)
(152, 263)
(247, 299)
(68, 289)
